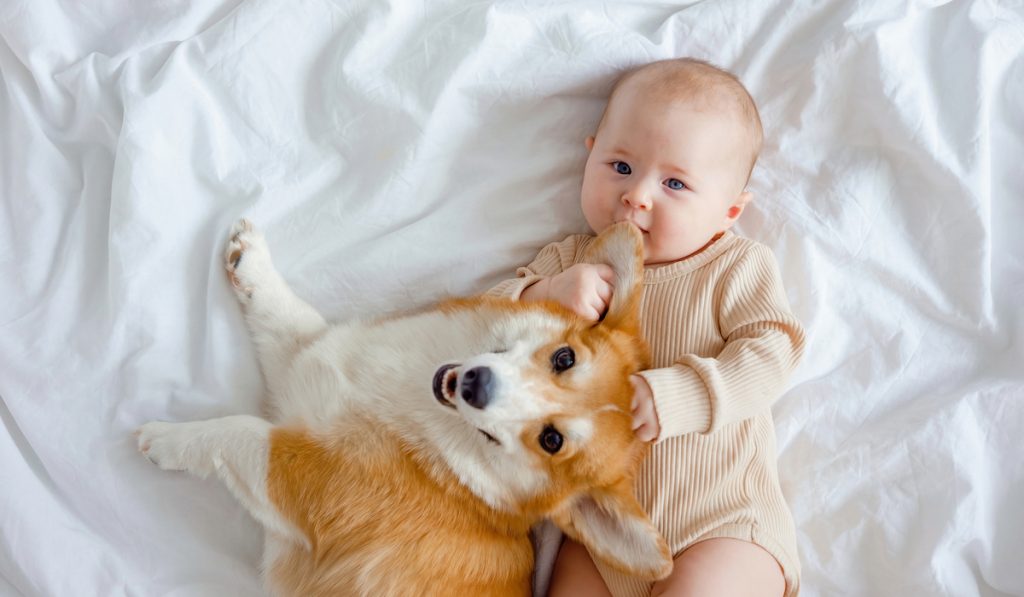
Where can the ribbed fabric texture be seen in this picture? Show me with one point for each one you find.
(723, 344)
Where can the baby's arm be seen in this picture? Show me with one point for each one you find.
(764, 343)
(551, 260)
(584, 288)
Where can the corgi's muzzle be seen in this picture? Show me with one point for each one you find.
(475, 387)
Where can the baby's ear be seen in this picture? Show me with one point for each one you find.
(613, 527)
(734, 211)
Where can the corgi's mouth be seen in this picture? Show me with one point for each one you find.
(446, 382)
(446, 379)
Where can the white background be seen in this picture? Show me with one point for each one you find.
(397, 152)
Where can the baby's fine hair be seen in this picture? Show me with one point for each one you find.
(697, 81)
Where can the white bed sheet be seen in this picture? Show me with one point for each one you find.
(397, 152)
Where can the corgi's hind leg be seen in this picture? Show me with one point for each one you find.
(280, 323)
(236, 449)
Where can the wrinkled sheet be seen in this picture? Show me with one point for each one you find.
(398, 152)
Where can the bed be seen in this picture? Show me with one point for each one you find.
(399, 152)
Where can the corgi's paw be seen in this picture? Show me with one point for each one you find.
(246, 258)
(174, 446)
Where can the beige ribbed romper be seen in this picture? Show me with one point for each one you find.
(723, 344)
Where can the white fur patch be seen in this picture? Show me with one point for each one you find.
(580, 429)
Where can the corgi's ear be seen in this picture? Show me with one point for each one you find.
(614, 528)
(622, 247)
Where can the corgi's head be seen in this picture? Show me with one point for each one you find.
(550, 404)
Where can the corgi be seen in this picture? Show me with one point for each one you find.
(411, 455)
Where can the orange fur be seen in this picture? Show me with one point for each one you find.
(383, 517)
(382, 521)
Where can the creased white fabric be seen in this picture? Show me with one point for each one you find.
(396, 152)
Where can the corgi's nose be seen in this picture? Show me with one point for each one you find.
(476, 387)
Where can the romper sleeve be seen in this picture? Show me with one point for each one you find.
(763, 345)
(552, 259)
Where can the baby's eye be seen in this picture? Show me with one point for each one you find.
(622, 167)
(675, 184)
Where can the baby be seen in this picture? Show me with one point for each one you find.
(672, 155)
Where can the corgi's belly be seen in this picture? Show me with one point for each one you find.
(359, 364)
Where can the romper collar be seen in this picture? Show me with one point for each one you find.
(675, 269)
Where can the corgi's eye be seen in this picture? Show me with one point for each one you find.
(551, 440)
(562, 359)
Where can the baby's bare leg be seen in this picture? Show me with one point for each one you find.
(723, 566)
(575, 573)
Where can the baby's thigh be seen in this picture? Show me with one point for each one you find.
(575, 573)
(724, 566)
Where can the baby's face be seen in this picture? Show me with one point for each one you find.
(674, 171)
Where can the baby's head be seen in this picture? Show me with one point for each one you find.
(672, 154)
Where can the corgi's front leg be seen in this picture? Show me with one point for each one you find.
(236, 448)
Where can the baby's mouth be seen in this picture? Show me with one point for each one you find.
(637, 226)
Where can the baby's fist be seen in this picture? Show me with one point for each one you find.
(645, 418)
(584, 288)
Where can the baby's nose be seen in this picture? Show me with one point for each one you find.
(636, 199)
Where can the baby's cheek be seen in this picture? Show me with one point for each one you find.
(648, 245)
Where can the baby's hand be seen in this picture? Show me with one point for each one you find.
(645, 418)
(584, 288)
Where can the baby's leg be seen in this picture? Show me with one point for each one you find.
(280, 323)
(723, 566)
(575, 573)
